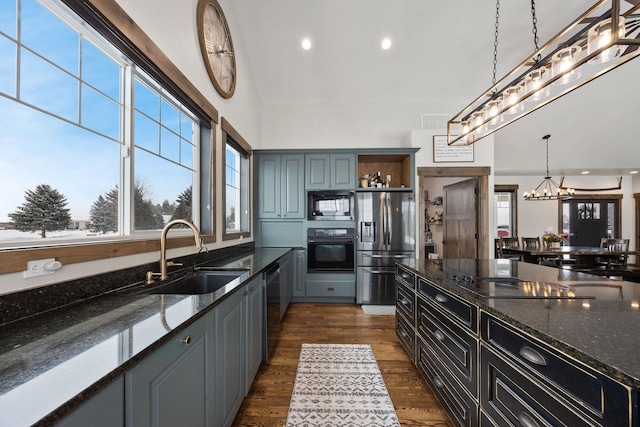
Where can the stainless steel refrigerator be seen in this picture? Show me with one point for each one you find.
(386, 223)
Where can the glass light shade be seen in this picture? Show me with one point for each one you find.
(600, 36)
(493, 108)
(563, 63)
(510, 98)
(465, 127)
(533, 83)
(476, 119)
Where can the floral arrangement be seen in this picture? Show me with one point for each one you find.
(552, 237)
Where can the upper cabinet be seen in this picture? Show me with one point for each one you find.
(281, 186)
(330, 171)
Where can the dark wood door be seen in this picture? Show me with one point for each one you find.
(590, 220)
(460, 220)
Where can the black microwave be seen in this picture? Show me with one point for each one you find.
(331, 205)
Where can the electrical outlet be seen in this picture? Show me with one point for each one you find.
(41, 267)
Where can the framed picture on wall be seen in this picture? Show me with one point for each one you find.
(450, 153)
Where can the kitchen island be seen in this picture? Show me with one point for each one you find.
(53, 363)
(504, 342)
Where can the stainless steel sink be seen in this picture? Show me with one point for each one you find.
(199, 282)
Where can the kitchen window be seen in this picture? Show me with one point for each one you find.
(80, 117)
(505, 206)
(236, 183)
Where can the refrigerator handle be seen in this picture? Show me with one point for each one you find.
(389, 216)
(384, 222)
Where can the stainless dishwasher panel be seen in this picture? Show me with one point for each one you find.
(271, 309)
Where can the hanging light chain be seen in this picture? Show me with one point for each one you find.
(495, 43)
(534, 30)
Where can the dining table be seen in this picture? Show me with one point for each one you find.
(583, 257)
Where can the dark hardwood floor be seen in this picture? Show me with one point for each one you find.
(268, 401)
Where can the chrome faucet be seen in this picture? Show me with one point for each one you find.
(163, 248)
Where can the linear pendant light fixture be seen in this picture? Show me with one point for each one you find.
(599, 40)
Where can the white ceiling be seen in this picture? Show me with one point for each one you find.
(441, 57)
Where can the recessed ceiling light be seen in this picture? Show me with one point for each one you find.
(585, 172)
(386, 44)
(306, 44)
(633, 172)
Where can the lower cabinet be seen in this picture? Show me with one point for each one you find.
(487, 372)
(106, 409)
(299, 272)
(201, 377)
(170, 387)
(286, 282)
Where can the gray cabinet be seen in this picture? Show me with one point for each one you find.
(286, 282)
(106, 409)
(330, 171)
(280, 186)
(170, 387)
(254, 321)
(229, 349)
(299, 272)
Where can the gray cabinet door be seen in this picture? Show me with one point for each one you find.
(299, 272)
(286, 282)
(292, 192)
(169, 387)
(343, 171)
(229, 344)
(106, 409)
(269, 204)
(318, 171)
(254, 321)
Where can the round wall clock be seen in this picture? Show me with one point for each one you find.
(217, 47)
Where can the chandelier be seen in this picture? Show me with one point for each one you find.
(599, 40)
(548, 189)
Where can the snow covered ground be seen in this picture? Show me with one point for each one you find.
(21, 236)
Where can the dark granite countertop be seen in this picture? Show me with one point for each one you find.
(599, 327)
(52, 362)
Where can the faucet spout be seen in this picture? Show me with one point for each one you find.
(163, 243)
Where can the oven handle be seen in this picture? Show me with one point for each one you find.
(331, 241)
(378, 271)
(386, 256)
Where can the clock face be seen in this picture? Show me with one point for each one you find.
(217, 47)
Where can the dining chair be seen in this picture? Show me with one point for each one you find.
(609, 244)
(533, 243)
(508, 242)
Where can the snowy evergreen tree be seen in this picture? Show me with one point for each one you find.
(183, 210)
(44, 209)
(103, 214)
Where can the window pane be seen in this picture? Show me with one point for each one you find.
(232, 209)
(231, 177)
(146, 133)
(146, 100)
(170, 145)
(100, 71)
(170, 117)
(186, 128)
(8, 17)
(186, 154)
(47, 87)
(50, 37)
(100, 113)
(79, 164)
(7, 66)
(157, 181)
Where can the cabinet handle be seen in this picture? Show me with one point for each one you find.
(331, 289)
(251, 289)
(533, 356)
(246, 293)
(527, 420)
(186, 340)
(403, 334)
(438, 382)
(405, 302)
(404, 275)
(439, 335)
(441, 298)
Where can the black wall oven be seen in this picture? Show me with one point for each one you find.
(330, 250)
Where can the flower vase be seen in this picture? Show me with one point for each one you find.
(556, 244)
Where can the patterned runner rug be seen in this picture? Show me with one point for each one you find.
(339, 385)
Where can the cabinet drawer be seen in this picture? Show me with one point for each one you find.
(330, 289)
(407, 336)
(406, 302)
(461, 407)
(406, 277)
(511, 397)
(457, 348)
(600, 396)
(461, 310)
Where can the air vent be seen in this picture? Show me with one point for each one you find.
(434, 121)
